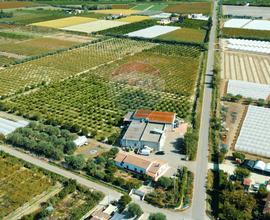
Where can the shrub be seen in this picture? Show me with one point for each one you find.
(134, 210)
(157, 216)
(75, 162)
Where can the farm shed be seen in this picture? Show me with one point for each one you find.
(254, 135)
(140, 134)
(153, 31)
(138, 164)
(8, 126)
(147, 128)
(248, 89)
(80, 141)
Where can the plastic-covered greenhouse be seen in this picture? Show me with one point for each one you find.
(248, 89)
(254, 136)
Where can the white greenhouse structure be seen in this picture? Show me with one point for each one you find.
(254, 136)
(248, 89)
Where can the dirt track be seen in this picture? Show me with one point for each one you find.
(246, 67)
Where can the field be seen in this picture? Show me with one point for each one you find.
(14, 4)
(151, 7)
(245, 33)
(64, 22)
(152, 32)
(121, 30)
(36, 46)
(66, 64)
(24, 16)
(94, 26)
(18, 184)
(246, 67)
(189, 8)
(246, 11)
(117, 11)
(6, 60)
(161, 78)
(243, 2)
(132, 19)
(185, 34)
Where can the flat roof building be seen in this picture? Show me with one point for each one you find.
(140, 134)
(147, 128)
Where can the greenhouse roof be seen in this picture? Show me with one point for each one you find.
(255, 132)
(248, 89)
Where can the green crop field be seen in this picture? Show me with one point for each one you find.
(27, 16)
(66, 64)
(243, 2)
(189, 7)
(36, 46)
(246, 33)
(160, 78)
(6, 60)
(124, 29)
(18, 184)
(185, 34)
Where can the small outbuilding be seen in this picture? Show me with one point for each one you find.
(80, 141)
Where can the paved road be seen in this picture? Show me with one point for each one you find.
(199, 194)
(112, 194)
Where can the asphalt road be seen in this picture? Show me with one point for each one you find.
(110, 193)
(199, 194)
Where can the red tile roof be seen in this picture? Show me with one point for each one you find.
(155, 116)
(247, 182)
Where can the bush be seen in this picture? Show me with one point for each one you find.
(239, 155)
(75, 162)
(123, 202)
(190, 143)
(157, 216)
(134, 210)
(241, 173)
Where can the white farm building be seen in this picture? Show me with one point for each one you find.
(254, 136)
(147, 128)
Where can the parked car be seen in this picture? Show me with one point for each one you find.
(161, 152)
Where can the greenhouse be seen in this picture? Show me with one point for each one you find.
(248, 89)
(254, 135)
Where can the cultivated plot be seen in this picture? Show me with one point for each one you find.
(153, 31)
(248, 24)
(66, 64)
(189, 8)
(246, 67)
(19, 185)
(36, 46)
(94, 26)
(236, 23)
(131, 19)
(118, 11)
(246, 11)
(160, 78)
(185, 34)
(64, 22)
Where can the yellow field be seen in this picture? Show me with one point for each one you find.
(64, 22)
(117, 11)
(132, 19)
